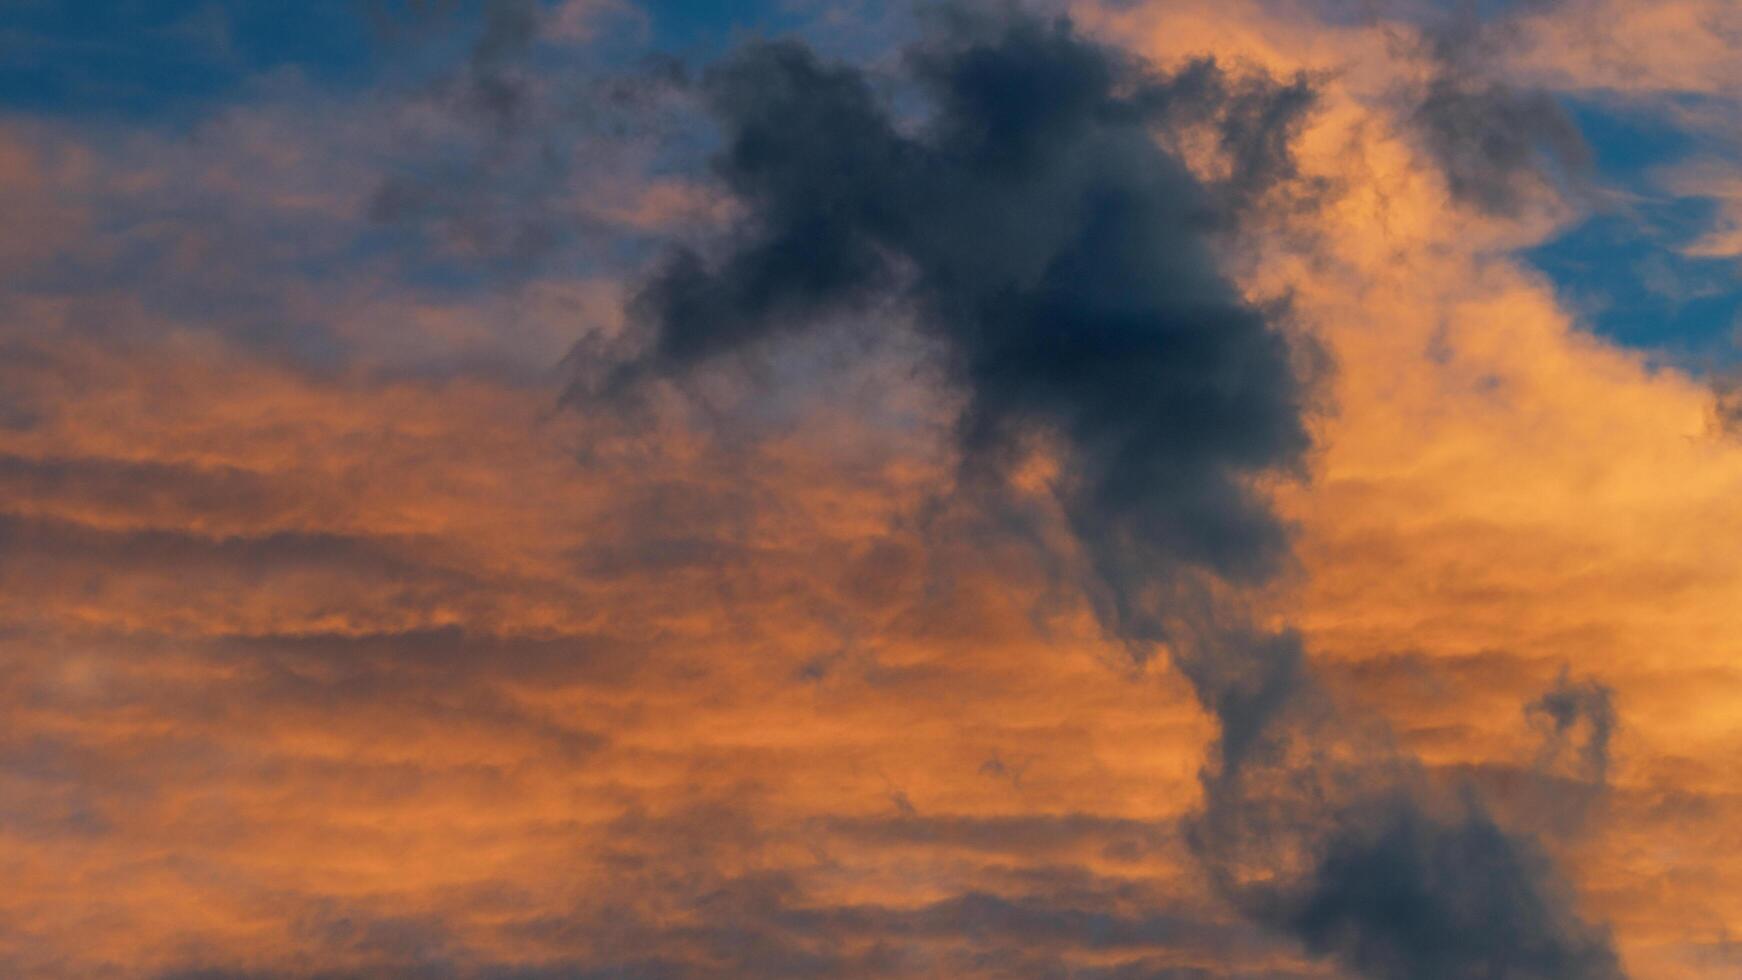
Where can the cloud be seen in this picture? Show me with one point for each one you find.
(1400, 895)
(1671, 48)
(1317, 825)
(382, 667)
(522, 150)
(1582, 710)
(1064, 261)
(1727, 404)
(1721, 183)
(1061, 257)
(1498, 143)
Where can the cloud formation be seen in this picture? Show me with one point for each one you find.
(1498, 143)
(1101, 322)
(1062, 258)
(331, 646)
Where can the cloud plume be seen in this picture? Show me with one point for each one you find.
(1060, 255)
(1064, 260)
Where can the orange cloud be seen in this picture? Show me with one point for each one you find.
(372, 672)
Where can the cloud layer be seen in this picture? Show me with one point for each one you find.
(811, 631)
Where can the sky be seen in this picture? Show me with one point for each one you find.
(1180, 489)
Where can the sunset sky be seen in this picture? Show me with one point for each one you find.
(1180, 489)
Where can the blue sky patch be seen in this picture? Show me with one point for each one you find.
(1622, 271)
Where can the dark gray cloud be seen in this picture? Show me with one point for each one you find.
(1064, 261)
(1317, 824)
(1405, 895)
